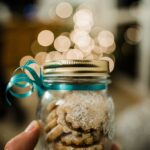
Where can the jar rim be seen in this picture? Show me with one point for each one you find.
(76, 68)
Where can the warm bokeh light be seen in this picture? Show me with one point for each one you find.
(105, 38)
(88, 49)
(83, 41)
(25, 59)
(62, 43)
(87, 28)
(45, 38)
(64, 10)
(132, 35)
(74, 54)
(110, 49)
(83, 18)
(95, 30)
(97, 50)
(80, 38)
(92, 56)
(40, 57)
(53, 55)
(76, 33)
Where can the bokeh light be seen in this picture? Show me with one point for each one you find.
(83, 41)
(45, 38)
(97, 50)
(74, 54)
(88, 49)
(64, 10)
(95, 30)
(110, 49)
(62, 43)
(80, 38)
(25, 59)
(132, 35)
(105, 38)
(53, 55)
(83, 18)
(40, 57)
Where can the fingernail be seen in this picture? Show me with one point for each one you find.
(33, 125)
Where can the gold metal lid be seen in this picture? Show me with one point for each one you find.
(75, 68)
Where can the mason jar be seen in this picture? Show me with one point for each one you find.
(76, 111)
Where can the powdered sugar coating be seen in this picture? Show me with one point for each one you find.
(85, 110)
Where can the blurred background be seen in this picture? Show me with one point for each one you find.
(128, 20)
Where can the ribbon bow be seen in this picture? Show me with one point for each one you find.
(22, 80)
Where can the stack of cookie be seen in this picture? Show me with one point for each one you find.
(79, 120)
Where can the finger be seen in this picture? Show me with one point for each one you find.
(25, 140)
(115, 147)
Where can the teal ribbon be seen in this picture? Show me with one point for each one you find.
(70, 87)
(22, 80)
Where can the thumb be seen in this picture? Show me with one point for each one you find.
(25, 140)
(115, 147)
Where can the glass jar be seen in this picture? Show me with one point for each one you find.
(76, 111)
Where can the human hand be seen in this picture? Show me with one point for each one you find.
(28, 139)
(25, 140)
(115, 147)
